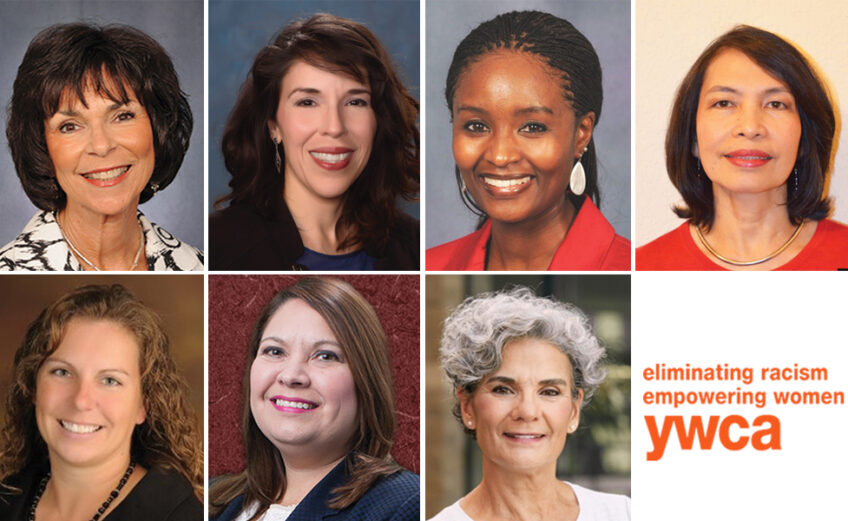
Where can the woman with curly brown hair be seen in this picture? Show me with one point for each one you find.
(321, 144)
(98, 421)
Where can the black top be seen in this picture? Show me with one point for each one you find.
(160, 496)
(241, 239)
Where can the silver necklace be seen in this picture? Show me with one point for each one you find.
(82, 257)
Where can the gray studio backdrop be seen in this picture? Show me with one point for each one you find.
(606, 23)
(238, 30)
(178, 26)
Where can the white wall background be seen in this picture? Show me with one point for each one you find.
(669, 38)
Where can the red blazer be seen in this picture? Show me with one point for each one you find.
(676, 250)
(590, 245)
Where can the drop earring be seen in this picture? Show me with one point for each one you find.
(277, 161)
(577, 182)
(795, 187)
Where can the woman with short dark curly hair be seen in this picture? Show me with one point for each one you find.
(321, 144)
(97, 125)
(97, 397)
(748, 147)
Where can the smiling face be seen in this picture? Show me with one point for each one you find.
(326, 125)
(515, 137)
(102, 152)
(302, 394)
(747, 125)
(522, 412)
(88, 395)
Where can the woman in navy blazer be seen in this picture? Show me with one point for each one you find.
(318, 415)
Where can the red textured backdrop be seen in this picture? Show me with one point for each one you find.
(235, 302)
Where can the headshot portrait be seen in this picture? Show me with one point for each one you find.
(528, 134)
(528, 397)
(314, 140)
(314, 410)
(742, 169)
(104, 110)
(102, 415)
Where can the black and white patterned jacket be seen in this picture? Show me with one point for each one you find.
(41, 247)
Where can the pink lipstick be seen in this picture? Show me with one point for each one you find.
(331, 158)
(105, 177)
(292, 405)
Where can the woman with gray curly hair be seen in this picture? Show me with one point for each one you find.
(522, 367)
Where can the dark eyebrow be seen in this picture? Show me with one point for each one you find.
(546, 381)
(534, 110)
(312, 90)
(74, 113)
(725, 88)
(281, 341)
(469, 108)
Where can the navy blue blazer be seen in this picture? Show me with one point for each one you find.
(393, 498)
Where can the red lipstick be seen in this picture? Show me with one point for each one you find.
(331, 158)
(748, 158)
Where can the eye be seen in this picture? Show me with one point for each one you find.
(533, 128)
(359, 102)
(111, 382)
(272, 351)
(550, 392)
(327, 356)
(777, 105)
(475, 127)
(723, 104)
(68, 127)
(306, 102)
(125, 116)
(60, 372)
(501, 389)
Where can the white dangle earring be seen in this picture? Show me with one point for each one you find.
(577, 182)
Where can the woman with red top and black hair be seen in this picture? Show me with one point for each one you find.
(748, 147)
(524, 91)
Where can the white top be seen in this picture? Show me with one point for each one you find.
(594, 506)
(274, 513)
(42, 247)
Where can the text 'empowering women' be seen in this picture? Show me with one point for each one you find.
(725, 386)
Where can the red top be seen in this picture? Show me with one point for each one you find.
(676, 250)
(590, 245)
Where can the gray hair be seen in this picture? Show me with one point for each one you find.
(476, 333)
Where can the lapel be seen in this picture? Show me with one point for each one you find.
(314, 505)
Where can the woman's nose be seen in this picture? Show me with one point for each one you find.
(83, 396)
(502, 149)
(526, 408)
(100, 141)
(294, 374)
(749, 122)
(333, 122)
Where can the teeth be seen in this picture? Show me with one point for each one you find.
(525, 436)
(79, 428)
(296, 405)
(505, 183)
(108, 174)
(331, 158)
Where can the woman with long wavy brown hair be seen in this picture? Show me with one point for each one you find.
(321, 144)
(98, 421)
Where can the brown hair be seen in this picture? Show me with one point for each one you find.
(783, 61)
(358, 330)
(168, 439)
(340, 46)
(66, 59)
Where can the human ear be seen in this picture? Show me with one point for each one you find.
(274, 131)
(695, 151)
(574, 419)
(465, 407)
(583, 133)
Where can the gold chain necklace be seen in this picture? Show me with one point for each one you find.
(732, 262)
